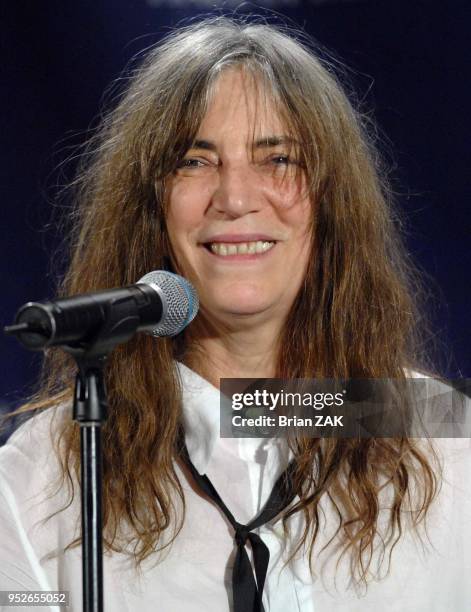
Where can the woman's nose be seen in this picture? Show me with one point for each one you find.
(238, 191)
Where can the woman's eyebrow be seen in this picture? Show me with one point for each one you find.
(264, 142)
(207, 145)
(273, 141)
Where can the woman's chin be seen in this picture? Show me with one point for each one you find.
(238, 307)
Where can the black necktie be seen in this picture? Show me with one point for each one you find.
(246, 592)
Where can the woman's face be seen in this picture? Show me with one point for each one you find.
(238, 217)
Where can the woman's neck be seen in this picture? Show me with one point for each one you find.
(241, 353)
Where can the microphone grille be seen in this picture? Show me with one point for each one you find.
(180, 301)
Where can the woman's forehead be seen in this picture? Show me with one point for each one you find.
(244, 100)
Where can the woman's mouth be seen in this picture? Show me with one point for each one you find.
(226, 249)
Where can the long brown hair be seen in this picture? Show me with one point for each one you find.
(357, 314)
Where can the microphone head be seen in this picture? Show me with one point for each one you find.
(179, 299)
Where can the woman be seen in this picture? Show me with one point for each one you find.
(235, 158)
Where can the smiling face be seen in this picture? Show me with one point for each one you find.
(238, 216)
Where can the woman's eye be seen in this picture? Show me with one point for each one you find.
(190, 163)
(281, 159)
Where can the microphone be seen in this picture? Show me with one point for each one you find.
(160, 303)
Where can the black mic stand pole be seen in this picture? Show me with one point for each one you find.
(90, 411)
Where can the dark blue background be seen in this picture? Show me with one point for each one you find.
(412, 61)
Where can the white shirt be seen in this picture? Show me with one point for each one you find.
(195, 574)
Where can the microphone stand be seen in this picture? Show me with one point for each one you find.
(89, 327)
(90, 411)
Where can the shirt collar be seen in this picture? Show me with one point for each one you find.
(201, 418)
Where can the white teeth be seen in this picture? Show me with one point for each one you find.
(240, 248)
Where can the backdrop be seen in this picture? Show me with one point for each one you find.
(411, 60)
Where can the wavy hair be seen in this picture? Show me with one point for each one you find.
(358, 313)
